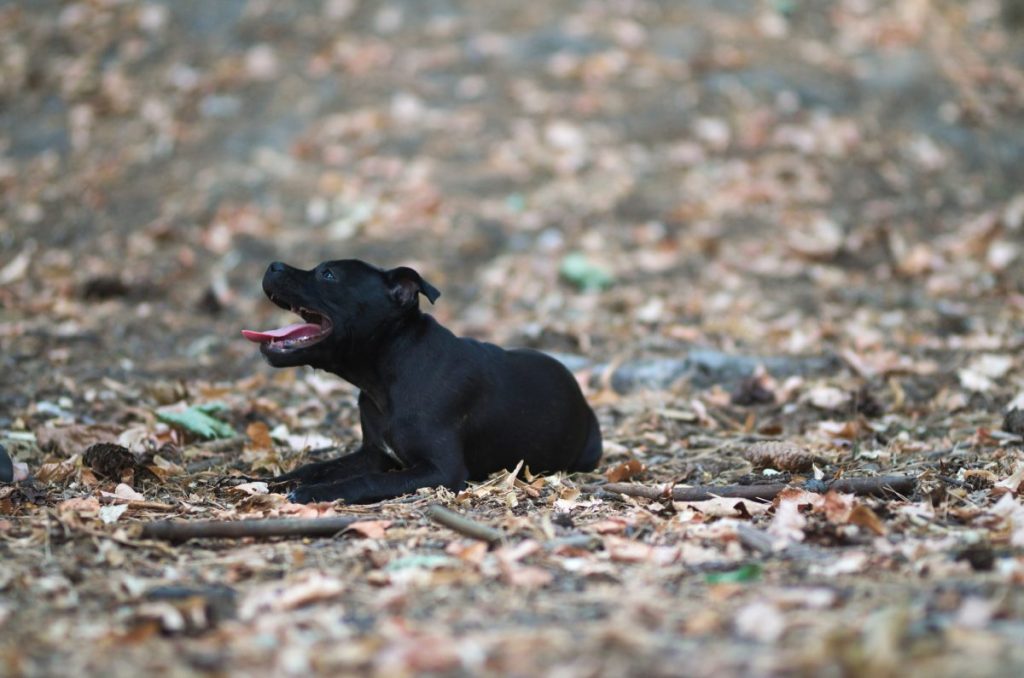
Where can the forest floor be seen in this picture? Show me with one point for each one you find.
(738, 223)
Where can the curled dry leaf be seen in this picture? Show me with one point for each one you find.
(123, 491)
(625, 471)
(58, 472)
(864, 517)
(779, 454)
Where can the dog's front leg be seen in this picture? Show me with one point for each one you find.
(374, 487)
(367, 459)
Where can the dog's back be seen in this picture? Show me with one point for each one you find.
(530, 408)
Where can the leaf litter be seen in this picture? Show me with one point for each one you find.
(787, 271)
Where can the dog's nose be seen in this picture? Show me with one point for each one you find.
(276, 267)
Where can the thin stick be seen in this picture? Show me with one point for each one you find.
(883, 486)
(464, 525)
(182, 530)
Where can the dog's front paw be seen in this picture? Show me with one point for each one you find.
(301, 495)
(310, 494)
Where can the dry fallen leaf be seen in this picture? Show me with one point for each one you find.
(126, 492)
(788, 524)
(1012, 482)
(371, 529)
(828, 397)
(862, 516)
(259, 436)
(625, 471)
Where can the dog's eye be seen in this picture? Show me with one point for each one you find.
(327, 274)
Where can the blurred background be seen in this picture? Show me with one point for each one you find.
(614, 179)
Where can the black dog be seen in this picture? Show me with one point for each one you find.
(435, 409)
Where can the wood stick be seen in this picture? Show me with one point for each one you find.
(882, 486)
(183, 530)
(464, 525)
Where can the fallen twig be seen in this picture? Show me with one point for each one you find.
(882, 486)
(182, 530)
(139, 504)
(464, 525)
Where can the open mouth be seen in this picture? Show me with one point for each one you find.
(293, 337)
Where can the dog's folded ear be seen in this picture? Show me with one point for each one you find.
(406, 283)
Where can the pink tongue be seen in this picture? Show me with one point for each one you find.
(296, 331)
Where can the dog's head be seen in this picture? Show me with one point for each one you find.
(343, 304)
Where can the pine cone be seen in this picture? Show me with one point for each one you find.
(781, 455)
(109, 460)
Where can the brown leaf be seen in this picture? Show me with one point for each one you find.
(259, 436)
(73, 439)
(625, 471)
(123, 491)
(58, 472)
(838, 507)
(862, 516)
(611, 525)
(371, 529)
(79, 506)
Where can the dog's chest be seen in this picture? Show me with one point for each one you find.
(390, 451)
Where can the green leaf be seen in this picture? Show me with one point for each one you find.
(584, 273)
(750, 572)
(197, 419)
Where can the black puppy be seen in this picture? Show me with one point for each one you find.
(435, 409)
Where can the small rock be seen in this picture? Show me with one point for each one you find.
(752, 391)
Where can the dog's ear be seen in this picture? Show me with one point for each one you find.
(406, 283)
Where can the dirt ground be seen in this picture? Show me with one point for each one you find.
(737, 222)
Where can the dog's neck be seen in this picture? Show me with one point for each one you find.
(370, 365)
